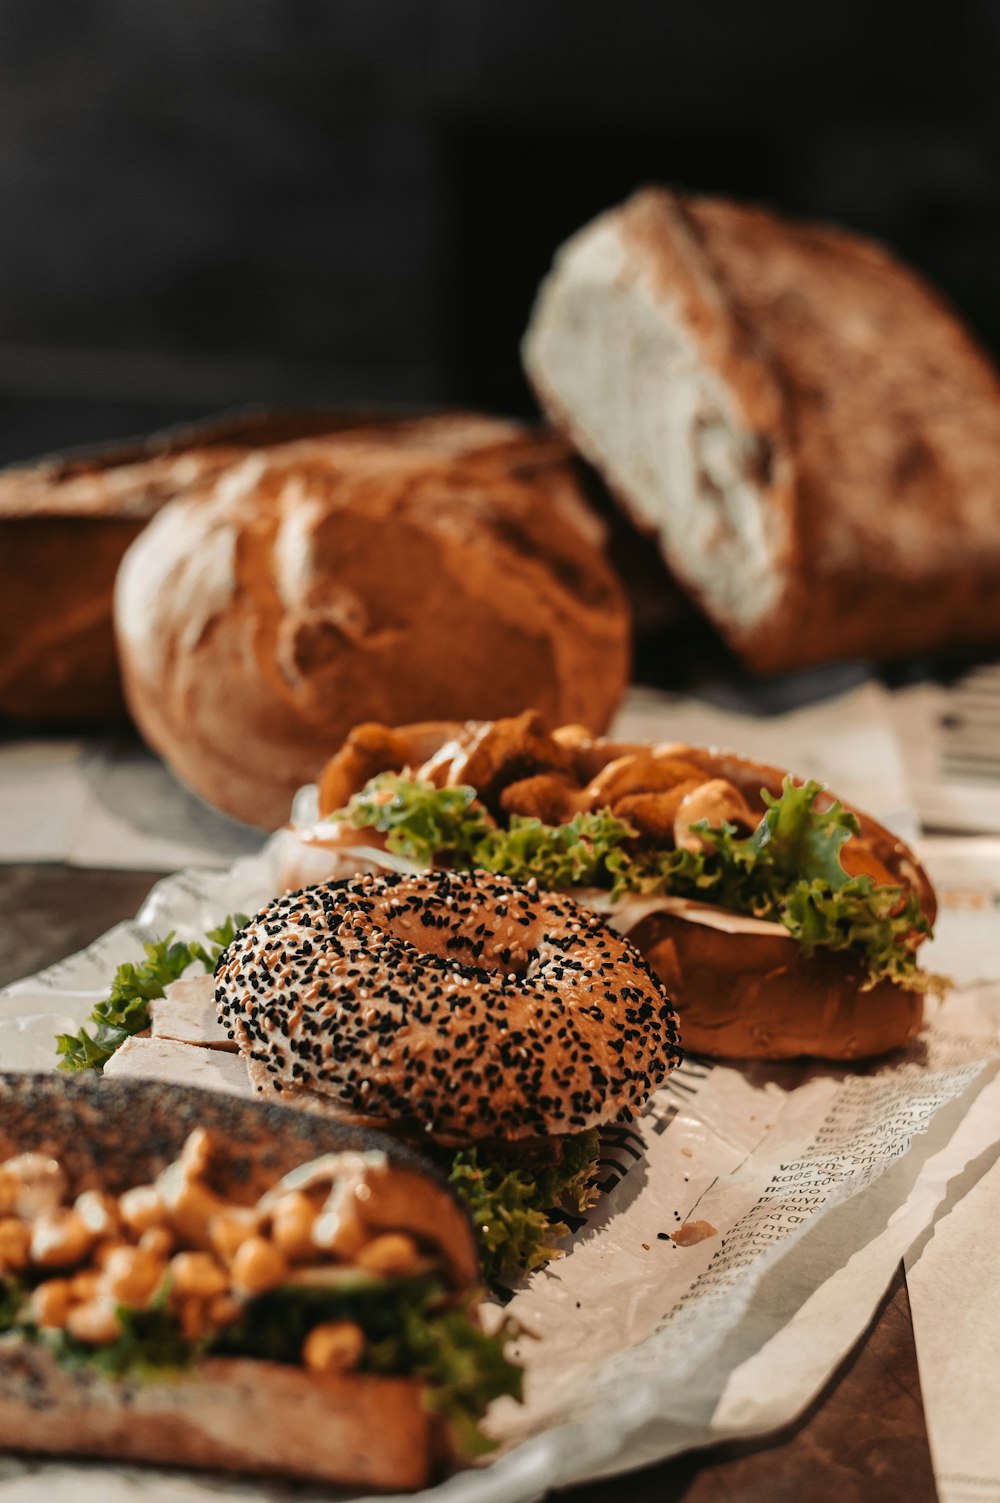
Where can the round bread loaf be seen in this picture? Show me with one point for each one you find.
(434, 568)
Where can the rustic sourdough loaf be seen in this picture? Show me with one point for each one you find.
(432, 568)
(65, 523)
(801, 422)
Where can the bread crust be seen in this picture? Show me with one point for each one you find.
(750, 996)
(232, 1415)
(877, 414)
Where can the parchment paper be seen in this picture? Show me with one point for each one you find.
(952, 1268)
(815, 1181)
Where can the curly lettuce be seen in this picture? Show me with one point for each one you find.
(125, 1010)
(788, 869)
(517, 1212)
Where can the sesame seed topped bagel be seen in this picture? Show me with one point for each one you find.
(464, 1002)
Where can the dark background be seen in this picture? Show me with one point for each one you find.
(205, 203)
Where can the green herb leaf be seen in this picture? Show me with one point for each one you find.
(125, 1010)
(12, 1296)
(419, 819)
(516, 1211)
(788, 870)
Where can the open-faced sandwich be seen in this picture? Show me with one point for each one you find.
(198, 1281)
(783, 922)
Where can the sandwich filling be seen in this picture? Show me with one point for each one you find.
(783, 867)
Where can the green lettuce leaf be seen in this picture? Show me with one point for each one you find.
(418, 819)
(788, 870)
(125, 1010)
(516, 1211)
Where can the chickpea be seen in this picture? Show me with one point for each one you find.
(40, 1184)
(258, 1266)
(291, 1225)
(59, 1239)
(159, 1240)
(196, 1155)
(15, 1240)
(335, 1347)
(393, 1252)
(193, 1317)
(197, 1273)
(338, 1227)
(191, 1208)
(98, 1212)
(141, 1209)
(132, 1275)
(223, 1310)
(103, 1251)
(84, 1286)
(229, 1229)
(51, 1303)
(94, 1323)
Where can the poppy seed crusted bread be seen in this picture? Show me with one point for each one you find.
(471, 1005)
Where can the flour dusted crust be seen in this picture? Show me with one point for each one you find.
(432, 569)
(65, 524)
(802, 423)
(464, 1003)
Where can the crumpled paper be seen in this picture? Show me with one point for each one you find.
(808, 1185)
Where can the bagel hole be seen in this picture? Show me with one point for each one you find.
(501, 954)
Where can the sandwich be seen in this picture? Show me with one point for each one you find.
(197, 1281)
(499, 1026)
(783, 922)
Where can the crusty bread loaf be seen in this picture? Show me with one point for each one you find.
(432, 568)
(65, 524)
(803, 424)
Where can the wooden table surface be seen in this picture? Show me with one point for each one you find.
(862, 1441)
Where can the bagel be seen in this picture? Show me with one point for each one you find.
(744, 985)
(293, 1373)
(469, 1007)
